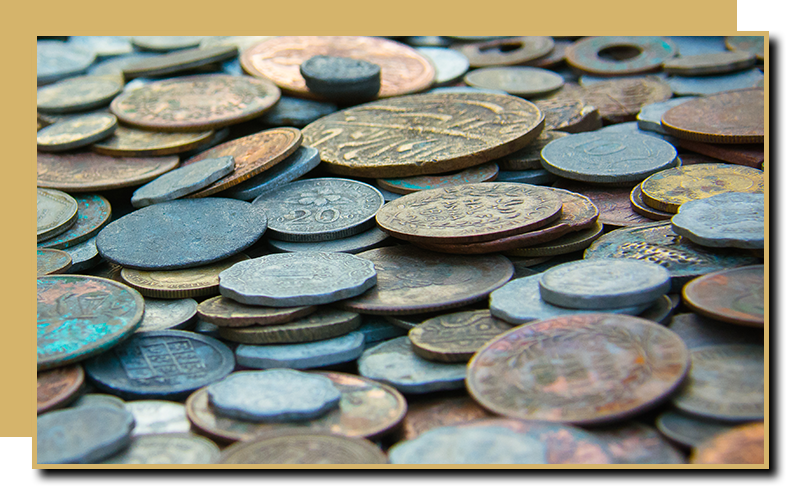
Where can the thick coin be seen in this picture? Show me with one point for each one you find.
(50, 261)
(361, 242)
(127, 141)
(167, 449)
(455, 337)
(302, 356)
(598, 377)
(225, 312)
(94, 211)
(81, 435)
(178, 61)
(723, 221)
(568, 243)
(166, 43)
(642, 208)
(412, 281)
(341, 78)
(405, 185)
(430, 414)
(299, 163)
(730, 117)
(56, 388)
(742, 445)
(699, 331)
(687, 430)
(637, 54)
(56, 212)
(81, 172)
(182, 181)
(192, 103)
(77, 94)
(158, 417)
(750, 44)
(636, 443)
(714, 84)
(450, 64)
(515, 80)
(570, 111)
(621, 99)
(423, 134)
(181, 283)
(377, 329)
(324, 323)
(612, 202)
(76, 132)
(403, 70)
(709, 64)
(529, 157)
(57, 60)
(733, 295)
(507, 51)
(167, 314)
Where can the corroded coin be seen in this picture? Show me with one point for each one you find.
(709, 64)
(569, 111)
(77, 94)
(623, 98)
(405, 185)
(568, 243)
(423, 416)
(456, 336)
(158, 417)
(127, 141)
(182, 181)
(742, 445)
(423, 134)
(516, 80)
(167, 449)
(403, 70)
(565, 370)
(201, 102)
(642, 208)
(733, 295)
(324, 323)
(302, 356)
(167, 314)
(636, 443)
(412, 281)
(638, 54)
(81, 435)
(166, 43)
(81, 172)
(56, 212)
(299, 163)
(225, 312)
(750, 44)
(688, 430)
(175, 62)
(507, 51)
(194, 282)
(729, 117)
(81, 316)
(727, 220)
(76, 132)
(612, 202)
(56, 388)
(94, 211)
(50, 261)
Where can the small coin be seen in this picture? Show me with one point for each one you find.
(455, 337)
(405, 185)
(344, 79)
(56, 388)
(688, 430)
(182, 181)
(225, 312)
(730, 117)
(57, 60)
(166, 43)
(158, 417)
(77, 94)
(56, 212)
(358, 243)
(507, 51)
(750, 44)
(93, 213)
(50, 261)
(566, 244)
(81, 435)
(515, 80)
(727, 220)
(182, 283)
(450, 64)
(324, 323)
(636, 443)
(430, 414)
(178, 61)
(637, 54)
(612, 202)
(84, 171)
(733, 295)
(76, 132)
(167, 449)
(709, 64)
(569, 111)
(127, 141)
(167, 314)
(742, 445)
(640, 206)
(528, 158)
(299, 163)
(622, 99)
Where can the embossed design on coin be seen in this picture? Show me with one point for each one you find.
(55, 213)
(622, 99)
(81, 172)
(733, 295)
(303, 447)
(456, 336)
(724, 220)
(729, 117)
(742, 445)
(55, 388)
(570, 111)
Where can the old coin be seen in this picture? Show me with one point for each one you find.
(688, 430)
(741, 445)
(455, 337)
(634, 54)
(81, 316)
(412, 281)
(730, 117)
(733, 295)
(299, 163)
(713, 84)
(166, 364)
(127, 141)
(536, 177)
(99, 401)
(566, 244)
(179, 234)
(199, 102)
(358, 243)
(341, 78)
(555, 58)
(167, 314)
(166, 43)
(94, 211)
(636, 443)
(56, 212)
(724, 220)
(430, 414)
(661, 311)
(178, 61)
(612, 202)
(649, 118)
(749, 44)
(229, 313)
(302, 356)
(76, 132)
(167, 449)
(182, 181)
(77, 94)
(295, 112)
(632, 128)
(515, 80)
(81, 435)
(507, 51)
(699, 331)
(423, 134)
(50, 261)
(621, 99)
(751, 155)
(181, 283)
(642, 208)
(103, 46)
(320, 209)
(405, 185)
(709, 64)
(57, 60)
(570, 111)
(158, 417)
(726, 382)
(450, 64)
(113, 67)
(528, 158)
(403, 70)
(56, 388)
(82, 172)
(377, 329)
(325, 323)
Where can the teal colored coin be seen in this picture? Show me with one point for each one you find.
(302, 356)
(81, 435)
(703, 85)
(94, 211)
(538, 177)
(84, 256)
(693, 45)
(375, 329)
(296, 112)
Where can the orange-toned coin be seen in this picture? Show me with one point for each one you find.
(55, 388)
(82, 172)
(742, 445)
(735, 117)
(426, 415)
(733, 295)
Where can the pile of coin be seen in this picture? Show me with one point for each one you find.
(400, 250)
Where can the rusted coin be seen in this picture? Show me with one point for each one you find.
(750, 44)
(166, 43)
(598, 377)
(733, 295)
(423, 134)
(180, 283)
(515, 80)
(640, 206)
(469, 213)
(229, 313)
(403, 70)
(94, 211)
(751, 155)
(405, 185)
(56, 388)
(507, 51)
(367, 409)
(455, 337)
(570, 111)
(50, 261)
(82, 172)
(77, 94)
(688, 430)
(529, 157)
(636, 443)
(742, 445)
(734, 117)
(76, 132)
(253, 155)
(192, 103)
(622, 99)
(627, 55)
(709, 64)
(612, 202)
(56, 212)
(177, 61)
(413, 281)
(324, 323)
(430, 414)
(135, 142)
(571, 242)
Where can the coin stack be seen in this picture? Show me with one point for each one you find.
(400, 250)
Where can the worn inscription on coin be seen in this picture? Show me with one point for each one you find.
(455, 336)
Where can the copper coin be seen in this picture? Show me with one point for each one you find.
(570, 111)
(405, 185)
(423, 134)
(413, 281)
(507, 51)
(469, 213)
(637, 54)
(439, 412)
(751, 44)
(588, 368)
(51, 261)
(253, 154)
(136, 142)
(636, 443)
(735, 117)
(55, 388)
(612, 202)
(742, 445)
(568, 243)
(82, 172)
(751, 155)
(367, 409)
(229, 313)
(325, 323)
(403, 70)
(733, 295)
(642, 208)
(192, 103)
(455, 337)
(622, 99)
(180, 283)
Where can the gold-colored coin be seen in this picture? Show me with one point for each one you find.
(669, 189)
(640, 207)
(181, 283)
(742, 445)
(135, 142)
(225, 312)
(571, 242)
(325, 323)
(455, 337)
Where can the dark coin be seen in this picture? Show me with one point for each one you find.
(455, 337)
(81, 435)
(295, 112)
(341, 78)
(699, 331)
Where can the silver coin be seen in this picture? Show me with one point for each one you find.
(167, 449)
(302, 356)
(649, 118)
(725, 220)
(361, 242)
(167, 314)
(182, 181)
(103, 46)
(450, 64)
(57, 60)
(298, 164)
(84, 256)
(55, 213)
(81, 435)
(158, 417)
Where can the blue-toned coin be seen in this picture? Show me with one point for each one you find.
(450, 64)
(699, 331)
(103, 46)
(167, 314)
(57, 60)
(84, 256)
(710, 64)
(724, 220)
(296, 112)
(94, 211)
(73, 95)
(167, 364)
(361, 242)
(636, 443)
(538, 177)
(702, 85)
(688, 430)
(341, 78)
(302, 356)
(81, 435)
(376, 329)
(115, 66)
(182, 181)
(101, 400)
(167, 449)
(649, 118)
(693, 45)
(299, 163)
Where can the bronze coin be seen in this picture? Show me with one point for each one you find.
(742, 445)
(622, 99)
(136, 142)
(413, 281)
(440, 412)
(569, 111)
(192, 103)
(612, 202)
(640, 206)
(507, 51)
(735, 117)
(55, 388)
(636, 443)
(455, 337)
(636, 54)
(325, 323)
(751, 155)
(252, 154)
(367, 409)
(82, 172)
(423, 134)
(229, 313)
(181, 283)
(405, 185)
(51, 261)
(403, 69)
(733, 295)
(588, 368)
(568, 243)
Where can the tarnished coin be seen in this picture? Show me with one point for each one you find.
(94, 211)
(649, 118)
(97, 400)
(295, 112)
(182, 181)
(403, 70)
(50, 261)
(324, 323)
(430, 414)
(81, 316)
(515, 80)
(507, 51)
(304, 355)
(570, 111)
(612, 202)
(56, 388)
(127, 141)
(709, 64)
(450, 64)
(412, 281)
(342, 79)
(167, 449)
(751, 155)
(57, 60)
(723, 221)
(730, 117)
(571, 242)
(299, 163)
(407, 136)
(103, 46)
(733, 295)
(166, 43)
(405, 185)
(688, 430)
(81, 435)
(528, 158)
(750, 44)
(622, 99)
(642, 208)
(177, 61)
(82, 172)
(456, 336)
(661, 311)
(699, 331)
(158, 417)
(76, 132)
(742, 445)
(180, 283)
(166, 364)
(358, 243)
(635, 443)
(225, 312)
(200, 102)
(77, 94)
(56, 212)
(632, 365)
(714, 84)
(637, 54)
(167, 314)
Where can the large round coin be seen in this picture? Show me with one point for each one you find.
(637, 54)
(81, 316)
(403, 70)
(202, 102)
(76, 132)
(423, 134)
(518, 81)
(727, 220)
(181, 234)
(81, 172)
(733, 295)
(135, 142)
(56, 212)
(303, 447)
(229, 313)
(81, 435)
(455, 336)
(583, 369)
(57, 60)
(735, 117)
(621, 99)
(94, 211)
(77, 94)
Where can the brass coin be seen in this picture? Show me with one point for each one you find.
(229, 313)
(646, 53)
(640, 206)
(50, 261)
(622, 99)
(735, 117)
(569, 111)
(742, 445)
(77, 94)
(613, 203)
(568, 243)
(405, 185)
(507, 51)
(178, 61)
(181, 283)
(253, 154)
(423, 134)
(588, 368)
(56, 388)
(669, 189)
(440, 412)
(413, 281)
(457, 336)
(403, 70)
(56, 212)
(76, 132)
(324, 323)
(136, 142)
(367, 409)
(470, 213)
(733, 295)
(82, 172)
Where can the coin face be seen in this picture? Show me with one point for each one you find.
(647, 53)
(127, 141)
(727, 220)
(81, 435)
(735, 117)
(733, 295)
(612, 202)
(193, 282)
(403, 70)
(55, 388)
(742, 445)
(455, 336)
(56, 212)
(516, 80)
(622, 99)
(57, 60)
(82, 172)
